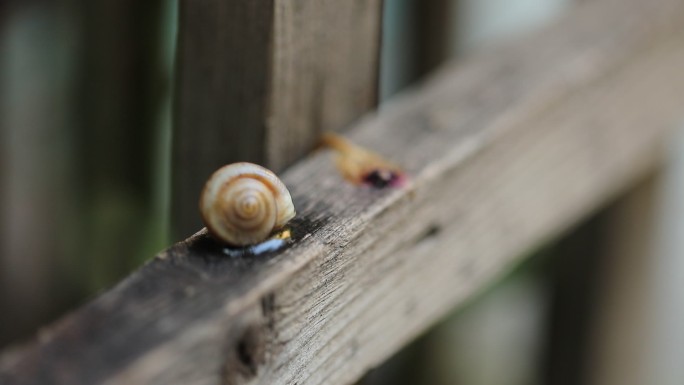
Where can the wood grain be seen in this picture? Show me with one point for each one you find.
(505, 151)
(260, 80)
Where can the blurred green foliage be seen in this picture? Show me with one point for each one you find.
(86, 115)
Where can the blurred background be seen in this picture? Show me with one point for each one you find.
(85, 125)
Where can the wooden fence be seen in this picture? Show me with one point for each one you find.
(504, 151)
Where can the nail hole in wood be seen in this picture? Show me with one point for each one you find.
(245, 356)
(430, 232)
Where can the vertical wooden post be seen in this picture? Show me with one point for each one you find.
(121, 88)
(637, 332)
(573, 275)
(259, 80)
(607, 318)
(620, 339)
(415, 41)
(35, 196)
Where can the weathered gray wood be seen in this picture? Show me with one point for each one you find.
(258, 80)
(504, 151)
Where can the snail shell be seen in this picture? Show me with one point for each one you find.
(243, 203)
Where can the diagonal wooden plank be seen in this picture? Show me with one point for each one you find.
(505, 151)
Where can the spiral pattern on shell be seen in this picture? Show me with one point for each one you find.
(243, 203)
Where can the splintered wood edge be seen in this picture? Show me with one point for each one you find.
(503, 152)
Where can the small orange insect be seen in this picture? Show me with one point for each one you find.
(361, 166)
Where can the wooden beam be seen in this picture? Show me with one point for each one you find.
(504, 151)
(259, 80)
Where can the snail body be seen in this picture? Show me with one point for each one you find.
(243, 203)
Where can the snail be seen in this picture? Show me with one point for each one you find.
(242, 204)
